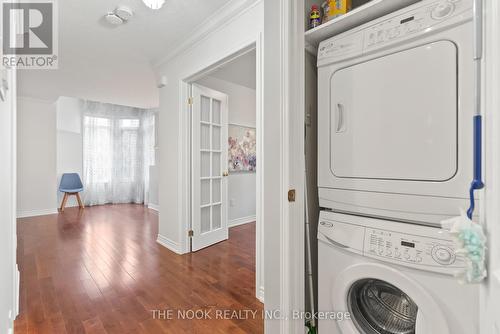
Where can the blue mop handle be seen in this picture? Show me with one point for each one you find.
(477, 182)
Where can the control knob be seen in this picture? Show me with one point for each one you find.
(443, 255)
(442, 10)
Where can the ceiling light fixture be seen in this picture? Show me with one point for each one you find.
(154, 4)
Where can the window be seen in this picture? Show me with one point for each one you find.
(98, 147)
(118, 150)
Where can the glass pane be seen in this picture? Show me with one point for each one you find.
(205, 109)
(216, 217)
(216, 195)
(205, 192)
(205, 164)
(129, 123)
(205, 137)
(216, 137)
(389, 309)
(215, 111)
(216, 166)
(205, 219)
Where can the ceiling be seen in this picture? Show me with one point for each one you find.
(113, 63)
(241, 71)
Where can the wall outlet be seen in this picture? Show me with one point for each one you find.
(231, 202)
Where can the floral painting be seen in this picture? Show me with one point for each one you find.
(242, 149)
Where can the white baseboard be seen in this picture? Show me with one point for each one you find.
(154, 207)
(169, 244)
(241, 221)
(260, 294)
(17, 282)
(35, 213)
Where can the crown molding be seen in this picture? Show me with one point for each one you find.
(224, 16)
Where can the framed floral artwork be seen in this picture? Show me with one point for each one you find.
(242, 149)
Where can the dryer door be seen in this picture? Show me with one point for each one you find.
(382, 300)
(395, 117)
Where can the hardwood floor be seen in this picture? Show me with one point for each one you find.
(101, 271)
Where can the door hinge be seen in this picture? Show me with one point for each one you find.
(190, 101)
(291, 195)
(190, 233)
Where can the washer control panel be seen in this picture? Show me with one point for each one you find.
(411, 249)
(412, 22)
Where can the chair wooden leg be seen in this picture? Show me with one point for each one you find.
(80, 203)
(64, 200)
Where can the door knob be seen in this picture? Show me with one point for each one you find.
(226, 173)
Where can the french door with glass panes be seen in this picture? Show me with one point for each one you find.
(209, 167)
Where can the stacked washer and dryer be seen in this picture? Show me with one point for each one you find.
(396, 100)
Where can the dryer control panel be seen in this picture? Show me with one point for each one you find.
(404, 24)
(423, 18)
(412, 249)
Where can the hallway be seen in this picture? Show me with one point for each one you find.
(101, 271)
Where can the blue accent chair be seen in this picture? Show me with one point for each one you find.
(71, 184)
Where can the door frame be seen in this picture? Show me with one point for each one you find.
(184, 190)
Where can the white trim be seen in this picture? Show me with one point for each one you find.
(184, 189)
(294, 152)
(243, 126)
(227, 14)
(154, 207)
(169, 244)
(35, 99)
(36, 213)
(17, 290)
(241, 221)
(260, 294)
(259, 124)
(16, 274)
(285, 76)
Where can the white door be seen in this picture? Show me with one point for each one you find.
(209, 167)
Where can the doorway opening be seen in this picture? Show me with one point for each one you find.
(224, 145)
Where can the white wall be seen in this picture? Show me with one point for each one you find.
(69, 141)
(36, 160)
(242, 111)
(8, 273)
(239, 32)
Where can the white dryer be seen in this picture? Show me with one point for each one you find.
(391, 278)
(395, 114)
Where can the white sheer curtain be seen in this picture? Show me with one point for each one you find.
(117, 153)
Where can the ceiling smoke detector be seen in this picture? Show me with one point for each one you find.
(124, 13)
(113, 19)
(154, 4)
(119, 16)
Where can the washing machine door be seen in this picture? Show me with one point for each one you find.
(383, 300)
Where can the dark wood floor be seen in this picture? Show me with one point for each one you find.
(103, 272)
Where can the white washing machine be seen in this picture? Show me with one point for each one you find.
(391, 278)
(395, 114)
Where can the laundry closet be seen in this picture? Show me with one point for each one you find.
(391, 150)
